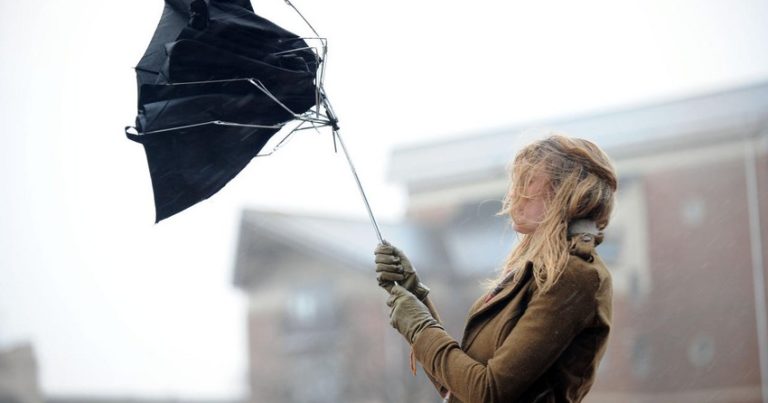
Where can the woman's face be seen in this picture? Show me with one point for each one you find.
(529, 209)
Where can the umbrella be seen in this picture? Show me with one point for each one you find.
(215, 84)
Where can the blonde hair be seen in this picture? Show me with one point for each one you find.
(580, 184)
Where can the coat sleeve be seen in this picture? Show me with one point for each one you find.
(550, 322)
(441, 390)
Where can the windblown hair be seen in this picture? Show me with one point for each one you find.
(580, 184)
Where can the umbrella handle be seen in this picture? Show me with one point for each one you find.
(360, 187)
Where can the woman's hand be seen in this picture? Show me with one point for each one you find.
(408, 315)
(393, 266)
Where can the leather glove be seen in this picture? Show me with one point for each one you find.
(392, 265)
(409, 315)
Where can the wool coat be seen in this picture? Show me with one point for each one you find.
(525, 345)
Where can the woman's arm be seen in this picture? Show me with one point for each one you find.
(549, 324)
(441, 390)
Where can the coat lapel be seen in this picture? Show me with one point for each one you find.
(510, 290)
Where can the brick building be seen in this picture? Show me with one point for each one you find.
(686, 248)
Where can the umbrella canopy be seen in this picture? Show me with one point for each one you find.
(215, 84)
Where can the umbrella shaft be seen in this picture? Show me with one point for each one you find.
(360, 187)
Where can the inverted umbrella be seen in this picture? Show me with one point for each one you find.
(214, 85)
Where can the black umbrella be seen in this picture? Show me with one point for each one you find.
(215, 84)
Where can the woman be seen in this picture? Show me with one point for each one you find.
(539, 333)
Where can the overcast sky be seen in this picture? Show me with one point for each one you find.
(115, 305)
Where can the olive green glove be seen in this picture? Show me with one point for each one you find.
(409, 315)
(392, 265)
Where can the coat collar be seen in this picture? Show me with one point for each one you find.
(518, 280)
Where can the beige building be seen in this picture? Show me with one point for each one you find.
(19, 375)
(686, 248)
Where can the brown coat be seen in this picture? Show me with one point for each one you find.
(524, 345)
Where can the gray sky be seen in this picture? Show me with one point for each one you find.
(118, 306)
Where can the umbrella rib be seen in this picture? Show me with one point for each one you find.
(228, 80)
(283, 141)
(212, 122)
(302, 16)
(258, 84)
(302, 48)
(316, 120)
(321, 63)
(225, 123)
(310, 128)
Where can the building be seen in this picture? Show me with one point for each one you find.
(686, 248)
(19, 375)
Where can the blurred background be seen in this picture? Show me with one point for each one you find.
(266, 292)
